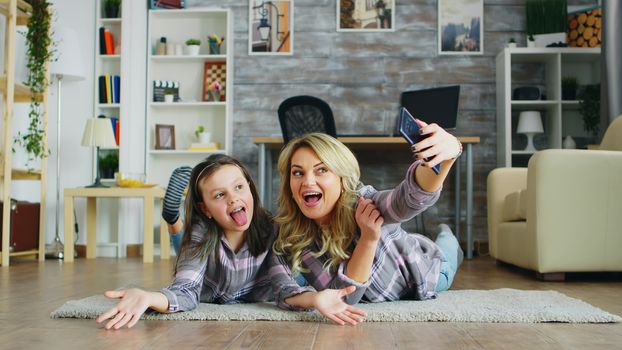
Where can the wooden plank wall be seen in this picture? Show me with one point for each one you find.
(361, 76)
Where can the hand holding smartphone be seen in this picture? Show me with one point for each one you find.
(410, 130)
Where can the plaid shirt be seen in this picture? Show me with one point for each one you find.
(224, 277)
(405, 265)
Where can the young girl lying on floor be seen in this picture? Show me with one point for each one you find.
(341, 234)
(226, 227)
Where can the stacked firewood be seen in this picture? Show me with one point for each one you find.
(585, 28)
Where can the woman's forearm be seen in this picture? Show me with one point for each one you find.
(427, 179)
(359, 265)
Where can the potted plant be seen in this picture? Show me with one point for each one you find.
(546, 21)
(589, 107)
(192, 47)
(111, 8)
(569, 88)
(202, 135)
(39, 52)
(531, 41)
(109, 164)
(512, 43)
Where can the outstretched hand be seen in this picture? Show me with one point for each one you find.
(329, 303)
(134, 302)
(437, 147)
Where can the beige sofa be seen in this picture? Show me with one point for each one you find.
(561, 214)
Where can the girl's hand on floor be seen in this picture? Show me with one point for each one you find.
(134, 302)
(369, 219)
(438, 146)
(329, 303)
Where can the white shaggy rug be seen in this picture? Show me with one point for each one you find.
(499, 305)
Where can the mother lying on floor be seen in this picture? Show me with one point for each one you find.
(347, 237)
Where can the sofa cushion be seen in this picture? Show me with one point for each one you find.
(514, 206)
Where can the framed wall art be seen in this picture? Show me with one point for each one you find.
(365, 15)
(165, 136)
(460, 27)
(215, 81)
(270, 27)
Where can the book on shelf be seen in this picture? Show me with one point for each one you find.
(109, 39)
(102, 40)
(114, 121)
(210, 146)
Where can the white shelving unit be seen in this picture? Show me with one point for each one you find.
(191, 111)
(559, 117)
(107, 64)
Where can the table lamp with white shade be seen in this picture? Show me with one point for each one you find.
(98, 133)
(69, 66)
(529, 123)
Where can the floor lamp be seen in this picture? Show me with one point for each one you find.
(68, 67)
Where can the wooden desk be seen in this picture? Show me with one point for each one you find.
(268, 144)
(147, 194)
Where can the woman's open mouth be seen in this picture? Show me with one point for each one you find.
(311, 199)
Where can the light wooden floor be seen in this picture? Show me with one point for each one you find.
(29, 291)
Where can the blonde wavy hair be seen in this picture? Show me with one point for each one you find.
(298, 232)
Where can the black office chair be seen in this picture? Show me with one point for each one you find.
(301, 115)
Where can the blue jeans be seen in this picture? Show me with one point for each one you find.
(176, 241)
(452, 257)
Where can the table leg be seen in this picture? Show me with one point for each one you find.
(68, 218)
(458, 197)
(261, 169)
(148, 230)
(165, 243)
(91, 227)
(469, 200)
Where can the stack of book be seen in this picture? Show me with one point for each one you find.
(211, 146)
(109, 88)
(106, 42)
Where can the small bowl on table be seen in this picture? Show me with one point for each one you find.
(131, 180)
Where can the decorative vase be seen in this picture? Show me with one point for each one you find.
(111, 11)
(192, 50)
(569, 143)
(205, 137)
(214, 48)
(213, 96)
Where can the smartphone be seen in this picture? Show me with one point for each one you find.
(410, 130)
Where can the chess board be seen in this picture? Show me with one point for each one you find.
(215, 71)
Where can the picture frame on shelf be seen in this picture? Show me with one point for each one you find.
(366, 16)
(165, 136)
(215, 72)
(460, 27)
(167, 4)
(271, 27)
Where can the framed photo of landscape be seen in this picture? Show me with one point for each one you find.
(365, 15)
(460, 27)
